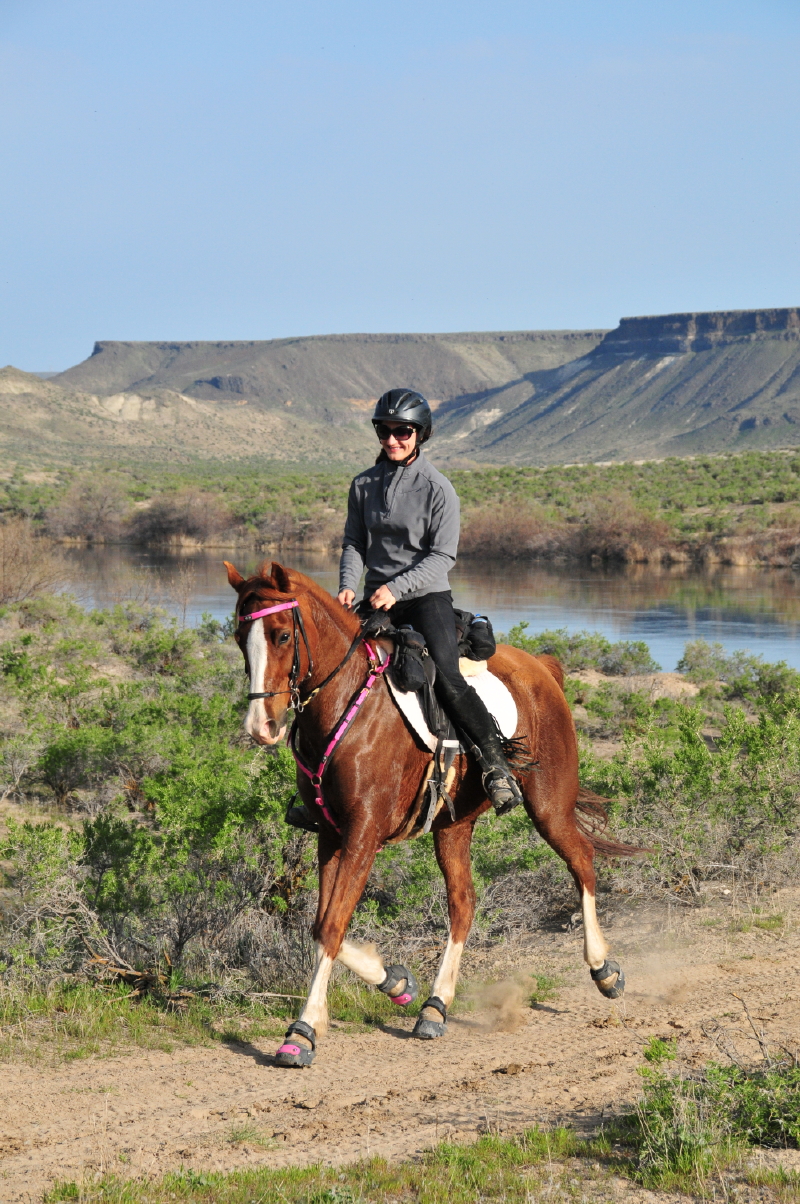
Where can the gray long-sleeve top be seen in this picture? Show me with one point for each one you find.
(403, 524)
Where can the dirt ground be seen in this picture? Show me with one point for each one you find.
(503, 1066)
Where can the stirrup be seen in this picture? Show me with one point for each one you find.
(502, 790)
(301, 817)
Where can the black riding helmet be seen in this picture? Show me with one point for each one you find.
(404, 405)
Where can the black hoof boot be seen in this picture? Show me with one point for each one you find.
(394, 976)
(428, 1030)
(606, 982)
(299, 817)
(503, 792)
(292, 1054)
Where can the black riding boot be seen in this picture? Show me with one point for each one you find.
(468, 712)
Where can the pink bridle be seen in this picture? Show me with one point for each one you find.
(271, 610)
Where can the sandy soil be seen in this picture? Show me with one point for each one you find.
(503, 1067)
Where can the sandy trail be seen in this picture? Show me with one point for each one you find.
(573, 1059)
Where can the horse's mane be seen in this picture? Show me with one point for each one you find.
(272, 582)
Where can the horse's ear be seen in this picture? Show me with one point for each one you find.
(282, 578)
(264, 571)
(234, 576)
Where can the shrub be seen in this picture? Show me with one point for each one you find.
(92, 508)
(511, 531)
(705, 811)
(686, 1127)
(584, 650)
(615, 528)
(189, 513)
(28, 564)
(745, 675)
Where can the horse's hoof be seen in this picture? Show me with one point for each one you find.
(609, 980)
(395, 975)
(428, 1030)
(293, 1055)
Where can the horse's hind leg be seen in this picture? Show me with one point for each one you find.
(556, 823)
(452, 846)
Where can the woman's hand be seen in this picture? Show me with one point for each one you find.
(347, 598)
(382, 599)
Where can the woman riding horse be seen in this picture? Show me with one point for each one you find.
(403, 526)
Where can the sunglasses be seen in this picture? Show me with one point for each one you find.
(400, 432)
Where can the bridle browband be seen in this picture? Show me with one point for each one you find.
(299, 630)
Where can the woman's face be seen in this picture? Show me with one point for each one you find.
(397, 447)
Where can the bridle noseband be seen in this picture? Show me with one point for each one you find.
(299, 630)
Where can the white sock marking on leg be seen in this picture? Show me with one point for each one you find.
(363, 960)
(445, 985)
(595, 948)
(315, 1011)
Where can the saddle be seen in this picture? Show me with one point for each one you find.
(413, 671)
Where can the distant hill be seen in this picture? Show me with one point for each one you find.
(673, 385)
(664, 386)
(287, 399)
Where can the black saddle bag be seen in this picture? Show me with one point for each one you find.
(408, 669)
(475, 636)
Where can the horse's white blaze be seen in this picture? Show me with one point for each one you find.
(595, 948)
(315, 1011)
(445, 986)
(257, 656)
(363, 960)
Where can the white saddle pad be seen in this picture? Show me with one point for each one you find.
(497, 697)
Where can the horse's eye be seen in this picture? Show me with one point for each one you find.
(283, 638)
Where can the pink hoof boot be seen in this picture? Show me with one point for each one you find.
(295, 1056)
(394, 976)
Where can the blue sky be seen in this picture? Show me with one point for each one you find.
(189, 170)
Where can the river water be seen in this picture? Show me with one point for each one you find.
(740, 608)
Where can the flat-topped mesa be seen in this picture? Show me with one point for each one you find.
(676, 334)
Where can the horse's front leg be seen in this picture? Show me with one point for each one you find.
(343, 876)
(452, 845)
(395, 981)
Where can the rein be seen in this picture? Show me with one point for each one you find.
(376, 671)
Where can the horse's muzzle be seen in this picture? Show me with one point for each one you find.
(264, 729)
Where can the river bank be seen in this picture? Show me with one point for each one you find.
(718, 510)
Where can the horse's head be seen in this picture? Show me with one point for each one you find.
(275, 646)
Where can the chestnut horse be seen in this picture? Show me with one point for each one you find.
(296, 638)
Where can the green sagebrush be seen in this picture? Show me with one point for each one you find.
(584, 650)
(684, 1127)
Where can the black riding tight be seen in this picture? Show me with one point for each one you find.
(432, 616)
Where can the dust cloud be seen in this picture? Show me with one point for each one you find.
(505, 1005)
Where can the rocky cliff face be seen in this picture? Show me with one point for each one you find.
(675, 334)
(655, 386)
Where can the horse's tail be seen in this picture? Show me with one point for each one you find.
(592, 820)
(553, 667)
